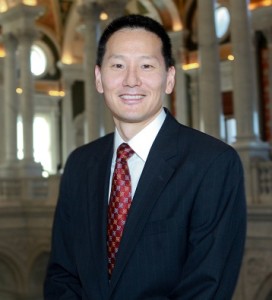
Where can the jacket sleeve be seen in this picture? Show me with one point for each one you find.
(217, 233)
(62, 281)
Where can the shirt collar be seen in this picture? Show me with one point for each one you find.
(141, 143)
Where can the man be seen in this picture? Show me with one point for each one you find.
(184, 233)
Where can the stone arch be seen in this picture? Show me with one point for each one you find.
(163, 11)
(265, 290)
(47, 40)
(37, 273)
(11, 279)
(51, 35)
(72, 37)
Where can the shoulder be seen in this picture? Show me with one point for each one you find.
(85, 154)
(198, 146)
(211, 153)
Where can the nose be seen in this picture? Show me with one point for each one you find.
(132, 78)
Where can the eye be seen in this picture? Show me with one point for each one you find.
(117, 66)
(147, 67)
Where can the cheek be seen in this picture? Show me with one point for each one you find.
(156, 85)
(111, 83)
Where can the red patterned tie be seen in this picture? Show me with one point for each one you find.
(120, 201)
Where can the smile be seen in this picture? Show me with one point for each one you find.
(131, 97)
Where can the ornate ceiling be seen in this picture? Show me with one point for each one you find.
(60, 22)
(173, 14)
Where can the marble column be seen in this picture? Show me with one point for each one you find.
(211, 115)
(89, 11)
(26, 38)
(268, 34)
(194, 98)
(10, 109)
(68, 139)
(2, 150)
(68, 143)
(244, 73)
(71, 73)
(261, 21)
(245, 94)
(20, 22)
(182, 112)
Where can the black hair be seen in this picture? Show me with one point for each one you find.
(133, 22)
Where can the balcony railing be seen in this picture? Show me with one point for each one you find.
(261, 174)
(17, 190)
(45, 190)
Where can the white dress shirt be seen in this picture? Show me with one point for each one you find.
(141, 144)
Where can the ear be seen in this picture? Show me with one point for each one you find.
(98, 81)
(170, 81)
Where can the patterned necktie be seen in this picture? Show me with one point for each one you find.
(120, 201)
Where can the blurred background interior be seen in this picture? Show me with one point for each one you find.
(49, 106)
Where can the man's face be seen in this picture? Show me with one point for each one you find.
(133, 76)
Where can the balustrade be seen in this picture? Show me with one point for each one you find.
(261, 174)
(36, 190)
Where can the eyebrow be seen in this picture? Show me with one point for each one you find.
(116, 56)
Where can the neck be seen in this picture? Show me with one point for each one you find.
(128, 130)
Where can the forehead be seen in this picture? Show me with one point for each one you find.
(136, 37)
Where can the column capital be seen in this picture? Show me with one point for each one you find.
(26, 35)
(20, 16)
(10, 41)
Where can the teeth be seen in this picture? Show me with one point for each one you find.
(132, 97)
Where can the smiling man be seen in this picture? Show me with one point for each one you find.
(155, 210)
(134, 79)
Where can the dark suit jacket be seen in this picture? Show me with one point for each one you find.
(184, 234)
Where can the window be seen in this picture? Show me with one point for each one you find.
(230, 124)
(222, 21)
(38, 61)
(42, 142)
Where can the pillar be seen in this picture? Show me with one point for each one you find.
(25, 33)
(245, 95)
(10, 108)
(89, 11)
(2, 151)
(244, 76)
(194, 98)
(19, 22)
(244, 73)
(26, 38)
(268, 34)
(182, 111)
(211, 116)
(71, 73)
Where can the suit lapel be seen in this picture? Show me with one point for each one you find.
(99, 175)
(156, 174)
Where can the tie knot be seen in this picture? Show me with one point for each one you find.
(124, 152)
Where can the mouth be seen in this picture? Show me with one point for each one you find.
(132, 97)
